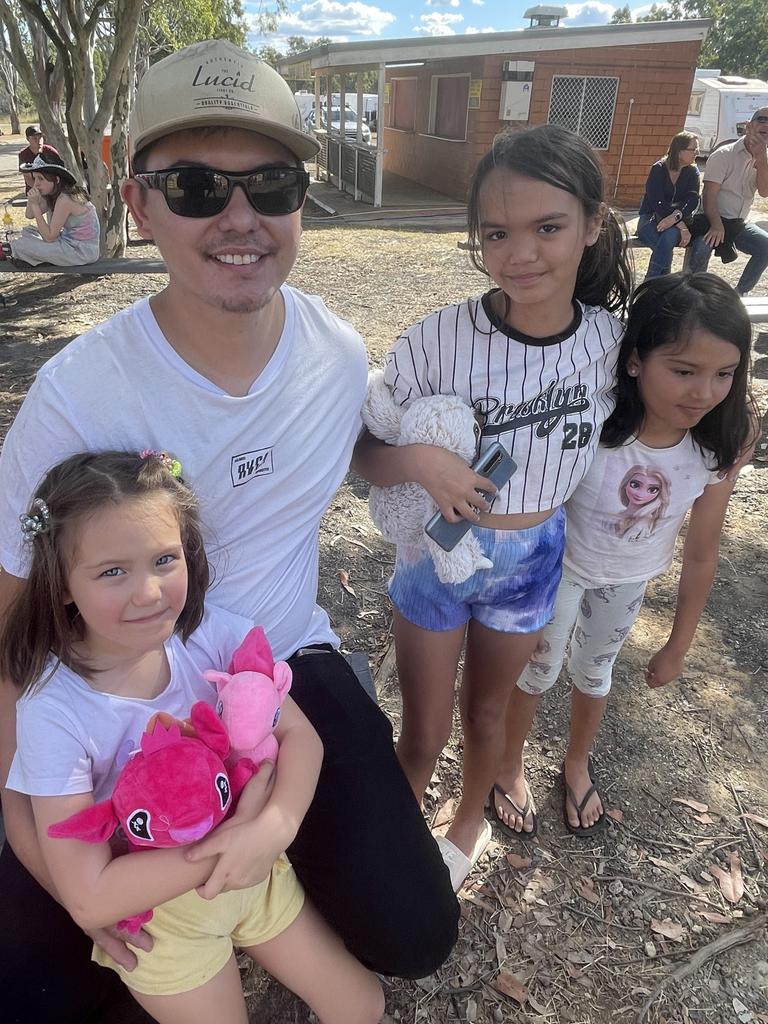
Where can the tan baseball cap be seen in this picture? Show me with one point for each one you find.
(216, 84)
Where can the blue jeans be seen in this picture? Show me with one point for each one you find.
(751, 240)
(661, 245)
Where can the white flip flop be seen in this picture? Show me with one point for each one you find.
(458, 863)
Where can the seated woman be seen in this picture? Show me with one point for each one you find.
(67, 232)
(671, 197)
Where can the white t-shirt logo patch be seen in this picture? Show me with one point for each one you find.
(251, 464)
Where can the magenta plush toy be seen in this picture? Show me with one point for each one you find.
(171, 792)
(250, 697)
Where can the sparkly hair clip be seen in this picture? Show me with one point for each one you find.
(172, 465)
(36, 521)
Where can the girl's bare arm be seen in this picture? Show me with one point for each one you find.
(700, 556)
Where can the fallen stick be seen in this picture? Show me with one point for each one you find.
(386, 666)
(737, 937)
(747, 829)
(682, 893)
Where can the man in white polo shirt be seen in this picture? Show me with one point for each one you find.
(732, 176)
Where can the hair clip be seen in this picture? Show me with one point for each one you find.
(172, 465)
(37, 520)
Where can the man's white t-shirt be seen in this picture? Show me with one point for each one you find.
(264, 466)
(73, 738)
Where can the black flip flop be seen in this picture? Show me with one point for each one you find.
(583, 831)
(523, 811)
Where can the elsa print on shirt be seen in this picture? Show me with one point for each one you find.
(644, 494)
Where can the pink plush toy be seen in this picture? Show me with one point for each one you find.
(250, 697)
(171, 792)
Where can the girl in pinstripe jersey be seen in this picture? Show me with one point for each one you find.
(535, 357)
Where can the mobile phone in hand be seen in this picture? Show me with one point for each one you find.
(498, 466)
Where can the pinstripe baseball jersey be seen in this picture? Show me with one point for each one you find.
(545, 399)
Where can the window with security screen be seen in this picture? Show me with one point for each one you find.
(585, 105)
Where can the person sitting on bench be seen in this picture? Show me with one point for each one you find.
(67, 231)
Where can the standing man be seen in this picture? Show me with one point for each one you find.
(256, 388)
(732, 176)
(36, 147)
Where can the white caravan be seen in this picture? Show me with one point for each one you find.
(721, 105)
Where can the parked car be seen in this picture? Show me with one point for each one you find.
(350, 124)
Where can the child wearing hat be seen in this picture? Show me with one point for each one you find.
(67, 228)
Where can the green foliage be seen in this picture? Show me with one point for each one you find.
(174, 24)
(271, 55)
(737, 41)
(657, 13)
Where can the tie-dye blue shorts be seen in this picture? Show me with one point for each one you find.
(516, 596)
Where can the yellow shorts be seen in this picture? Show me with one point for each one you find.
(194, 937)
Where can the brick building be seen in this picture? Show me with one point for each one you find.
(442, 100)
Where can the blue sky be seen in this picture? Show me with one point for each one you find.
(353, 20)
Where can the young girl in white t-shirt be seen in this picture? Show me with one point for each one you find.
(682, 415)
(108, 630)
(534, 357)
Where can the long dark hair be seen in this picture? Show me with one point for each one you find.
(664, 311)
(559, 158)
(41, 622)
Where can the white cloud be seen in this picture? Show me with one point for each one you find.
(438, 24)
(593, 12)
(442, 3)
(479, 3)
(340, 21)
(471, 30)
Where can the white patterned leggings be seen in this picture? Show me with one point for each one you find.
(596, 621)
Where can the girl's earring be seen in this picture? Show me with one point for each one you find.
(632, 371)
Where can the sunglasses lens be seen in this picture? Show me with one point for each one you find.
(277, 191)
(196, 192)
(762, 119)
(200, 192)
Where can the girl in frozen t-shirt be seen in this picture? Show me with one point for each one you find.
(682, 414)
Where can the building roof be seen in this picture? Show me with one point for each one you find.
(733, 83)
(372, 52)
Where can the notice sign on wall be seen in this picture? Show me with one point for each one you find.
(387, 92)
(475, 91)
(516, 85)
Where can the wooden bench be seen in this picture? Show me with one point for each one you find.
(113, 266)
(757, 308)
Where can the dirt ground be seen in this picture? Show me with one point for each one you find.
(662, 917)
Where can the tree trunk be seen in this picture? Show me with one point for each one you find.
(116, 226)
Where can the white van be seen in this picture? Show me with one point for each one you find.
(721, 105)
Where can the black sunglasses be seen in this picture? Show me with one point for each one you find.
(204, 192)
(761, 118)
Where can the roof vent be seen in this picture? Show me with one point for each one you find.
(732, 80)
(545, 16)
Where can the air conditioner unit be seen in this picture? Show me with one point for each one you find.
(516, 85)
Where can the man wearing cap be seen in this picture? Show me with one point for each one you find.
(732, 176)
(36, 146)
(256, 388)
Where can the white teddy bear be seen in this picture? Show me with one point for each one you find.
(402, 511)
